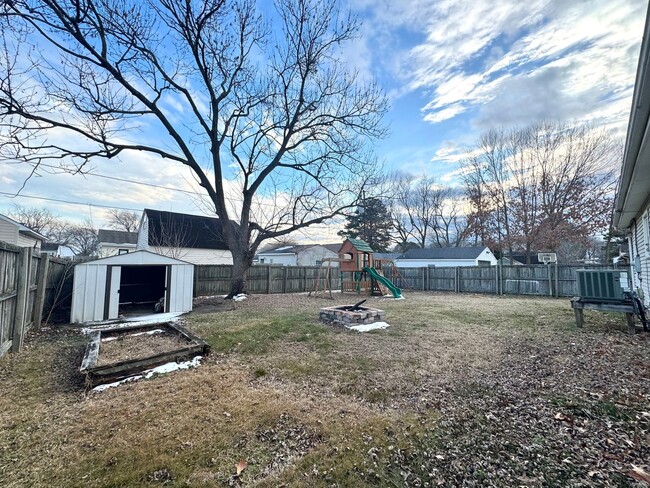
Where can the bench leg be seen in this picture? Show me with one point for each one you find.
(631, 327)
(579, 316)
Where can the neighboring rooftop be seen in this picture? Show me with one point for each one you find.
(117, 236)
(172, 229)
(444, 253)
(296, 248)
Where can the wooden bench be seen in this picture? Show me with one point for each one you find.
(578, 305)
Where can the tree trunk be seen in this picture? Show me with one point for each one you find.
(240, 264)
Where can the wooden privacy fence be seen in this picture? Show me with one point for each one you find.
(30, 289)
(555, 280)
(541, 280)
(215, 279)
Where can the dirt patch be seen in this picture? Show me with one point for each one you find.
(212, 304)
(131, 346)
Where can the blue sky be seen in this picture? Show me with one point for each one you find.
(451, 69)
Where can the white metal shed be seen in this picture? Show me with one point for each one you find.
(130, 284)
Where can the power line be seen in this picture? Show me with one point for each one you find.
(13, 195)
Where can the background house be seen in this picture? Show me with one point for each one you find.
(192, 238)
(632, 205)
(299, 255)
(18, 234)
(446, 256)
(114, 242)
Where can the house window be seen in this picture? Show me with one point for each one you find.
(318, 262)
(122, 251)
(261, 260)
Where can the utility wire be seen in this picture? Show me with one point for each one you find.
(13, 195)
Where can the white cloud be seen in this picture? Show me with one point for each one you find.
(512, 62)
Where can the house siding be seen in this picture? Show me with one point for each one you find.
(143, 234)
(423, 263)
(105, 250)
(640, 249)
(26, 241)
(308, 257)
(8, 233)
(195, 256)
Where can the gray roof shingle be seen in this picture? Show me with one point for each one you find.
(117, 236)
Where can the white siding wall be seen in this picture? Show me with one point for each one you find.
(8, 232)
(487, 255)
(143, 234)
(423, 263)
(195, 256)
(309, 256)
(105, 250)
(640, 246)
(26, 241)
(284, 259)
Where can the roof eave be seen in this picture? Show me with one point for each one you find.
(634, 182)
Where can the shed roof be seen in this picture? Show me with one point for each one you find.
(360, 244)
(170, 229)
(117, 236)
(444, 253)
(135, 258)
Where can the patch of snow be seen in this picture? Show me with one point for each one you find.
(162, 369)
(401, 297)
(239, 298)
(173, 366)
(367, 327)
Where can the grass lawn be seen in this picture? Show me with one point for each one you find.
(462, 390)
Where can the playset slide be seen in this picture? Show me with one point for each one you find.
(397, 293)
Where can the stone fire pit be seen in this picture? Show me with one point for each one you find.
(341, 315)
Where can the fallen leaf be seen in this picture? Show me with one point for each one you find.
(639, 474)
(241, 466)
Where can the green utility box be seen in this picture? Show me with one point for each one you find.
(607, 285)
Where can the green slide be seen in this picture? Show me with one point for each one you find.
(397, 293)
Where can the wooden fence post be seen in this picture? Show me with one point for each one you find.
(284, 279)
(41, 283)
(22, 291)
(550, 280)
(557, 281)
(268, 279)
(457, 279)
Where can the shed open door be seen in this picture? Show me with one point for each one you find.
(114, 275)
(168, 288)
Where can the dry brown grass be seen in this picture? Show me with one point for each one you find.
(457, 382)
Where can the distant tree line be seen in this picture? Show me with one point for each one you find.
(546, 187)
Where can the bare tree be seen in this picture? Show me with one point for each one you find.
(82, 239)
(418, 202)
(533, 188)
(41, 220)
(123, 220)
(452, 227)
(271, 112)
